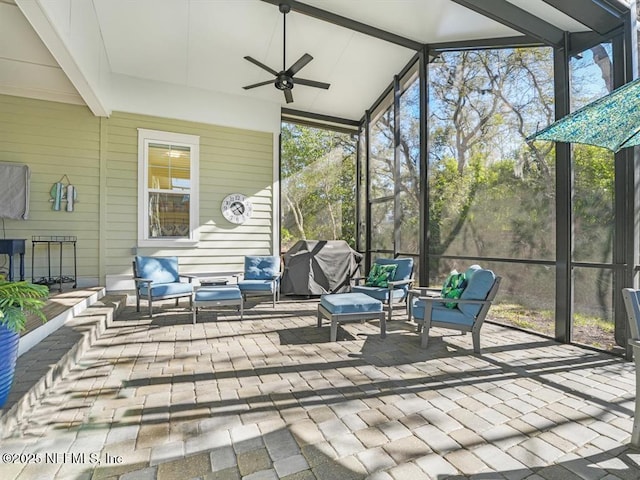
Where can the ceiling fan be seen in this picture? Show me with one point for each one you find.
(285, 78)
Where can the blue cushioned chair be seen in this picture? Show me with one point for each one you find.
(398, 287)
(261, 277)
(469, 313)
(157, 278)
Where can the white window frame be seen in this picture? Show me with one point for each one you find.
(145, 137)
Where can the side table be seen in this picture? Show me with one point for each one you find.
(11, 247)
(214, 281)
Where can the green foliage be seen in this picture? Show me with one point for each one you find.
(318, 185)
(17, 299)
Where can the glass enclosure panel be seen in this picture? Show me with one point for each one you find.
(318, 168)
(593, 322)
(593, 199)
(409, 158)
(382, 226)
(409, 237)
(168, 215)
(381, 161)
(489, 193)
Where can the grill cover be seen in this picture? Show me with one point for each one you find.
(315, 267)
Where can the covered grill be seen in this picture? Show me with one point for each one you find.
(315, 267)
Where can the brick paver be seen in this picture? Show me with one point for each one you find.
(270, 397)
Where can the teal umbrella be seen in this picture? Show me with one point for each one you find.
(612, 121)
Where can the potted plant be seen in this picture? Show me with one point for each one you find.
(17, 300)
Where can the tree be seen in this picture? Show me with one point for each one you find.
(483, 104)
(318, 185)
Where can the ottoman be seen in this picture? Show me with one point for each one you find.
(216, 297)
(350, 307)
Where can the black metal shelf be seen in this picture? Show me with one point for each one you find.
(50, 279)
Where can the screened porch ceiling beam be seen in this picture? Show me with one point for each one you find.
(599, 16)
(514, 17)
(349, 23)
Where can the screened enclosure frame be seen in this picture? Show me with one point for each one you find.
(608, 21)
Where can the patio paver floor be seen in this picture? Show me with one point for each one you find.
(270, 397)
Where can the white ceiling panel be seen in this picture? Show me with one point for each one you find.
(146, 38)
(432, 21)
(198, 45)
(18, 41)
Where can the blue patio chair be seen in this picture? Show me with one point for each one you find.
(631, 299)
(157, 278)
(391, 290)
(465, 314)
(261, 277)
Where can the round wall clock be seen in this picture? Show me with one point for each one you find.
(236, 208)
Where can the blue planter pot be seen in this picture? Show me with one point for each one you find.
(9, 342)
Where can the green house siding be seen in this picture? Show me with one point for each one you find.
(100, 157)
(54, 139)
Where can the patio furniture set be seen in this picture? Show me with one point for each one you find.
(389, 281)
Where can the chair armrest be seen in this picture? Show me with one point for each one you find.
(189, 276)
(142, 280)
(426, 291)
(451, 300)
(356, 280)
(396, 283)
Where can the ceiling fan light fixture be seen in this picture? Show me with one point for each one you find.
(284, 82)
(284, 79)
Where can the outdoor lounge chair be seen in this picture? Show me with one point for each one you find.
(261, 277)
(465, 314)
(631, 299)
(157, 278)
(391, 290)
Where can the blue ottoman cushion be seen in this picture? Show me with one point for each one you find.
(217, 293)
(342, 303)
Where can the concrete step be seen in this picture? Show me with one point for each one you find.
(52, 356)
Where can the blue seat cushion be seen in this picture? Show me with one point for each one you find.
(212, 294)
(261, 267)
(341, 303)
(440, 313)
(478, 287)
(256, 285)
(380, 293)
(165, 289)
(158, 269)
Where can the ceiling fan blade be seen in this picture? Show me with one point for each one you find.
(258, 84)
(311, 83)
(296, 67)
(261, 65)
(288, 95)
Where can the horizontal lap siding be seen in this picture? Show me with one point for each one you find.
(231, 160)
(54, 139)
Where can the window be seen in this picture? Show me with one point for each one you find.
(167, 188)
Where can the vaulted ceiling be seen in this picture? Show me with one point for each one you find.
(110, 53)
